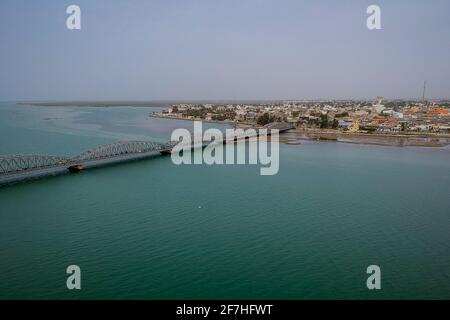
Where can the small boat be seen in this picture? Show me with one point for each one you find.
(76, 168)
(293, 141)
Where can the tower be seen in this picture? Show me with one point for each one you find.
(423, 92)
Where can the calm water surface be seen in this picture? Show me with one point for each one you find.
(154, 230)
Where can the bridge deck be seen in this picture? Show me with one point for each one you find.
(14, 169)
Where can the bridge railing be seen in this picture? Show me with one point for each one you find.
(117, 149)
(19, 163)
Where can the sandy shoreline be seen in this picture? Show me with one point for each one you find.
(184, 119)
(295, 136)
(370, 139)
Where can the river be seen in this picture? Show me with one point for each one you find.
(154, 230)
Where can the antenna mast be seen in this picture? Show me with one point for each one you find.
(424, 88)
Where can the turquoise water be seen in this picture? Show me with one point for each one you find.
(152, 230)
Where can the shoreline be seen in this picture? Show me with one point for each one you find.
(400, 140)
(184, 119)
(294, 136)
(300, 140)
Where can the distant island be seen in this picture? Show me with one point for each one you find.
(102, 104)
(133, 103)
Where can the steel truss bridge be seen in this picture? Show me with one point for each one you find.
(26, 166)
(19, 163)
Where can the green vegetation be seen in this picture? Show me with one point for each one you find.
(218, 117)
(341, 115)
(264, 119)
(323, 121)
(335, 124)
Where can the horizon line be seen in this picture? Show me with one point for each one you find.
(55, 101)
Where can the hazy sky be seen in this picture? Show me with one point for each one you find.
(223, 49)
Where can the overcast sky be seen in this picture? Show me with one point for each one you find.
(223, 49)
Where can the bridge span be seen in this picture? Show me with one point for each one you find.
(20, 168)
